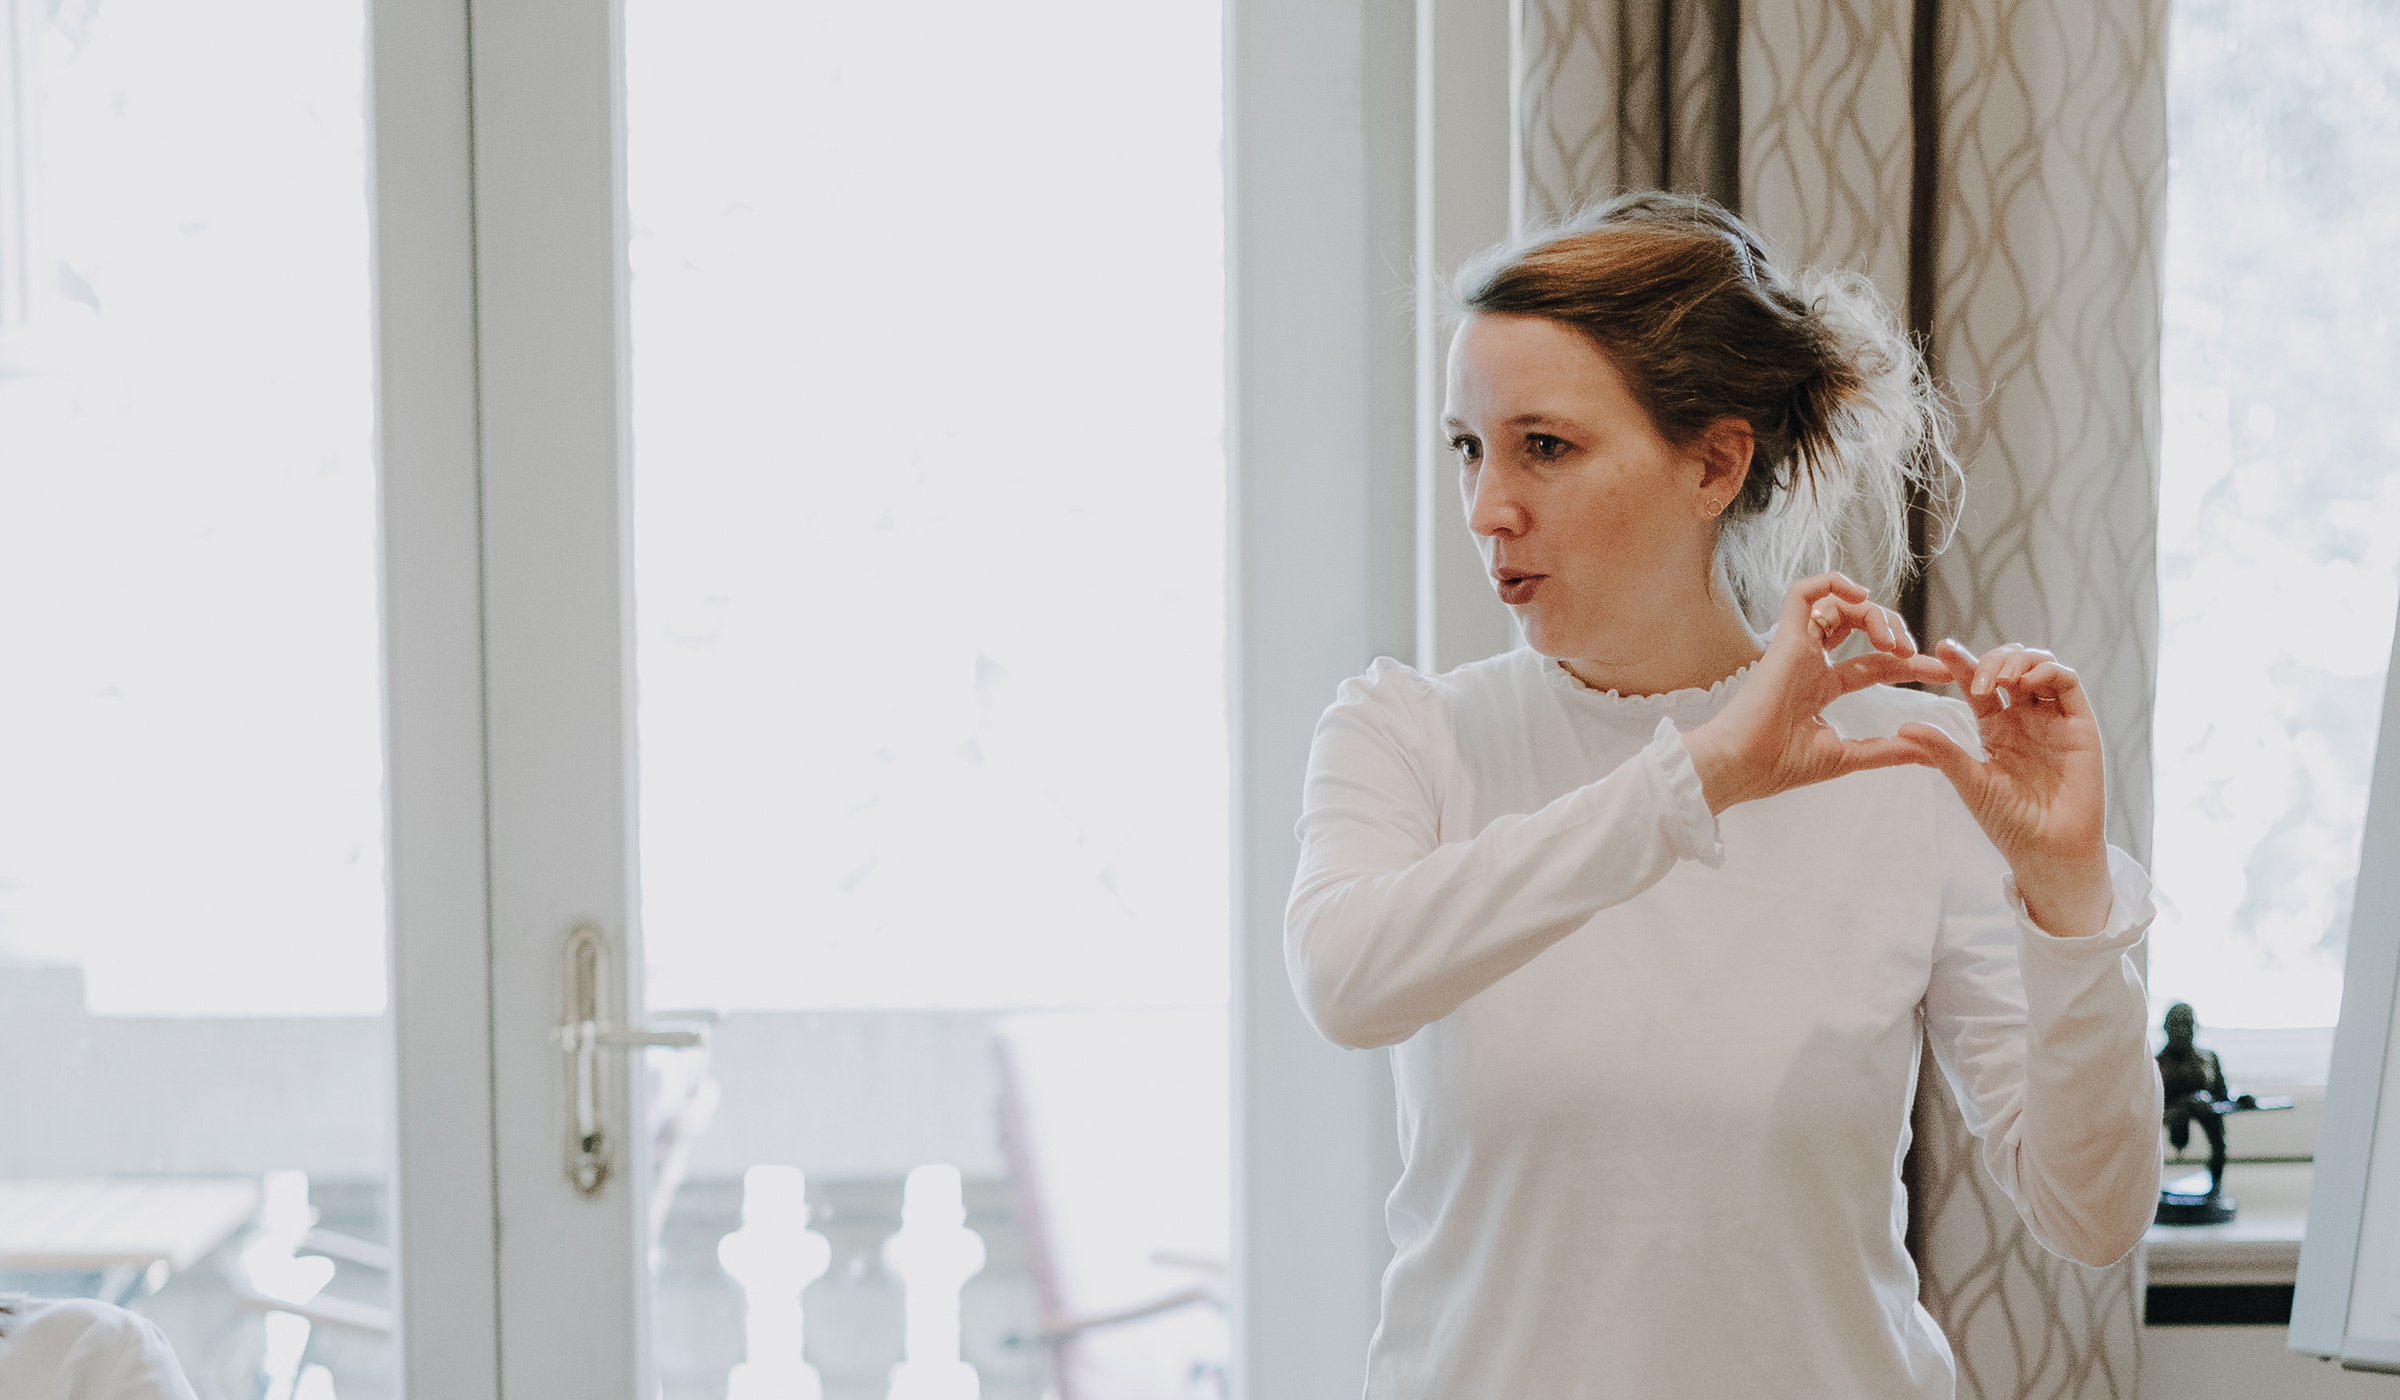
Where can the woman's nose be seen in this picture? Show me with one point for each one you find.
(1491, 509)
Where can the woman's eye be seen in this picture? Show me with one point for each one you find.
(1467, 448)
(1544, 446)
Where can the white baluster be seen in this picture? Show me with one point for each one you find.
(773, 1257)
(278, 1274)
(933, 1256)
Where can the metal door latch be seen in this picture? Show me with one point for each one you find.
(581, 1037)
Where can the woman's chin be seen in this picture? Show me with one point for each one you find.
(1544, 635)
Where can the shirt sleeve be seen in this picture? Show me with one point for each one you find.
(2043, 1041)
(1390, 928)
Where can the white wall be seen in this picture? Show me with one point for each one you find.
(199, 1096)
(1318, 200)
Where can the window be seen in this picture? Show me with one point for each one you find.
(927, 407)
(192, 910)
(190, 762)
(2279, 505)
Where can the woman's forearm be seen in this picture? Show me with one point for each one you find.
(1379, 948)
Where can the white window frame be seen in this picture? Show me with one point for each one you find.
(500, 280)
(422, 222)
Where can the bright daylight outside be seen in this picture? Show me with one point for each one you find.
(2279, 509)
(191, 835)
(929, 580)
(929, 495)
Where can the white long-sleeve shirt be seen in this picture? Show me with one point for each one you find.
(1655, 1066)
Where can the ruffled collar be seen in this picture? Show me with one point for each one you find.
(1689, 698)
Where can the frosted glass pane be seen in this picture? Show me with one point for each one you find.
(2279, 505)
(927, 398)
(190, 757)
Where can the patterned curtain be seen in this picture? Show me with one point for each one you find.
(1622, 96)
(1998, 167)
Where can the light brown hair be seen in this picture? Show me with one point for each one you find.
(1684, 300)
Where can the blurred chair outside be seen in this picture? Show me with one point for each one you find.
(1114, 1125)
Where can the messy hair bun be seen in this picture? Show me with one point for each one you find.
(1683, 299)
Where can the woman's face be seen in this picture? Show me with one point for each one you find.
(1596, 530)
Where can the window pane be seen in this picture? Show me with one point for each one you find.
(928, 533)
(2279, 510)
(191, 840)
(190, 756)
(927, 397)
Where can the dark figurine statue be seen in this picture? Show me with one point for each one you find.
(2196, 1093)
(2195, 1085)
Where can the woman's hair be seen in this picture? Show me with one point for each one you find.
(1682, 298)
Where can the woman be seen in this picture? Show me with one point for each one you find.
(1657, 910)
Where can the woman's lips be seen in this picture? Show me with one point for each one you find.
(1517, 590)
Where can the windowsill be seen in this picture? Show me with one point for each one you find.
(2261, 1245)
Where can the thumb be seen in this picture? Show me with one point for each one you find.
(1936, 749)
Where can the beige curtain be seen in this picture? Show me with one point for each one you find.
(1619, 96)
(1998, 168)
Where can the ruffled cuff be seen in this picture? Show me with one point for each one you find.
(1683, 808)
(2130, 910)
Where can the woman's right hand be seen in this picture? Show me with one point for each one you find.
(1773, 736)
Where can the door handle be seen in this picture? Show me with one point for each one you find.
(581, 1037)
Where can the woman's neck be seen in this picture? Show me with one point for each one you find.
(1687, 653)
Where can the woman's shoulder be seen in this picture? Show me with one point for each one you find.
(1396, 688)
(1388, 680)
(1880, 710)
(1391, 698)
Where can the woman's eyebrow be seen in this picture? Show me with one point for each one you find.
(1451, 422)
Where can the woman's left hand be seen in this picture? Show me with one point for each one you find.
(2040, 793)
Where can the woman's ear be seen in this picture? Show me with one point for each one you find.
(1724, 451)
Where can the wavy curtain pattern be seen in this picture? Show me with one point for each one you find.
(1998, 168)
(1618, 96)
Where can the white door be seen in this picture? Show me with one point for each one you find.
(851, 395)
